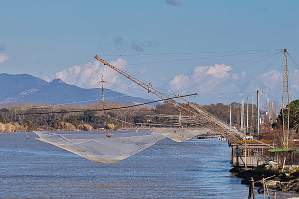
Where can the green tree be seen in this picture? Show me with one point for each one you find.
(294, 115)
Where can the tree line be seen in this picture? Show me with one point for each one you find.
(161, 114)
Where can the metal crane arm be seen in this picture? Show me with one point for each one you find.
(147, 87)
(201, 114)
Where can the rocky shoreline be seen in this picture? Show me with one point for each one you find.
(275, 178)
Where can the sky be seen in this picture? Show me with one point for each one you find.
(224, 50)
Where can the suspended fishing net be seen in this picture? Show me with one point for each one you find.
(100, 148)
(121, 145)
(181, 134)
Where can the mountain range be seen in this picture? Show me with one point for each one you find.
(27, 89)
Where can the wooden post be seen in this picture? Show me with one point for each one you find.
(238, 154)
(232, 156)
(284, 161)
(264, 187)
(251, 194)
(245, 155)
(274, 197)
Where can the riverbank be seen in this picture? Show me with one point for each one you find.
(275, 178)
(61, 126)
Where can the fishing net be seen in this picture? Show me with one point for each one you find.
(121, 145)
(100, 148)
(181, 134)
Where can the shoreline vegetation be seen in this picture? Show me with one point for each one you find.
(61, 126)
(23, 117)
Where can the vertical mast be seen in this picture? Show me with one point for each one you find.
(180, 119)
(285, 98)
(102, 82)
(258, 111)
(230, 115)
(242, 116)
(252, 115)
(247, 120)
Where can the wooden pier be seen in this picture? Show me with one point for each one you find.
(248, 154)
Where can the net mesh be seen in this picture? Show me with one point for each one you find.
(180, 134)
(121, 145)
(100, 148)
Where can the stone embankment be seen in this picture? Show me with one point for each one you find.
(285, 180)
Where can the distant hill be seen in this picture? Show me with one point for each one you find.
(23, 88)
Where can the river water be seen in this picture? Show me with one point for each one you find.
(193, 169)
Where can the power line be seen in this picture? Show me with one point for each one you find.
(233, 52)
(293, 60)
(203, 57)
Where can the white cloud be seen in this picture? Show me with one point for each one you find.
(270, 83)
(3, 57)
(270, 80)
(88, 75)
(179, 82)
(219, 83)
(202, 78)
(219, 71)
(295, 81)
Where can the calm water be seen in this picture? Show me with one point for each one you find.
(193, 169)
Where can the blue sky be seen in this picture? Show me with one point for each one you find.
(179, 45)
